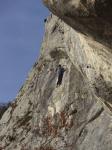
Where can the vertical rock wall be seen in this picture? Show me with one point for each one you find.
(73, 116)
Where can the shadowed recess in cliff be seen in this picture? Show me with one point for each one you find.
(89, 17)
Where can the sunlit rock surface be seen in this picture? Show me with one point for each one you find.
(91, 17)
(77, 115)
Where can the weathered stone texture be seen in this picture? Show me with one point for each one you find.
(77, 115)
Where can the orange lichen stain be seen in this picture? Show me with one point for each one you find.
(63, 119)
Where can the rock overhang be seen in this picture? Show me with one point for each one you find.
(90, 17)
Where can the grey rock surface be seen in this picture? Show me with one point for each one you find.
(77, 115)
(90, 17)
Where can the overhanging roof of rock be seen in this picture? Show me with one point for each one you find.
(93, 17)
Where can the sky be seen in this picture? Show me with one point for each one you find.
(21, 33)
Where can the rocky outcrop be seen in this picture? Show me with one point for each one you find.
(3, 108)
(77, 115)
(91, 17)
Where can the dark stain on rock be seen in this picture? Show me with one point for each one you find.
(103, 89)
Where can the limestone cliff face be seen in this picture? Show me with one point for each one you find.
(77, 115)
(91, 17)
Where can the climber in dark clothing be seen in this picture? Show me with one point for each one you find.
(60, 71)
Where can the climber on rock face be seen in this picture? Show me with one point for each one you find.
(60, 71)
(45, 20)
